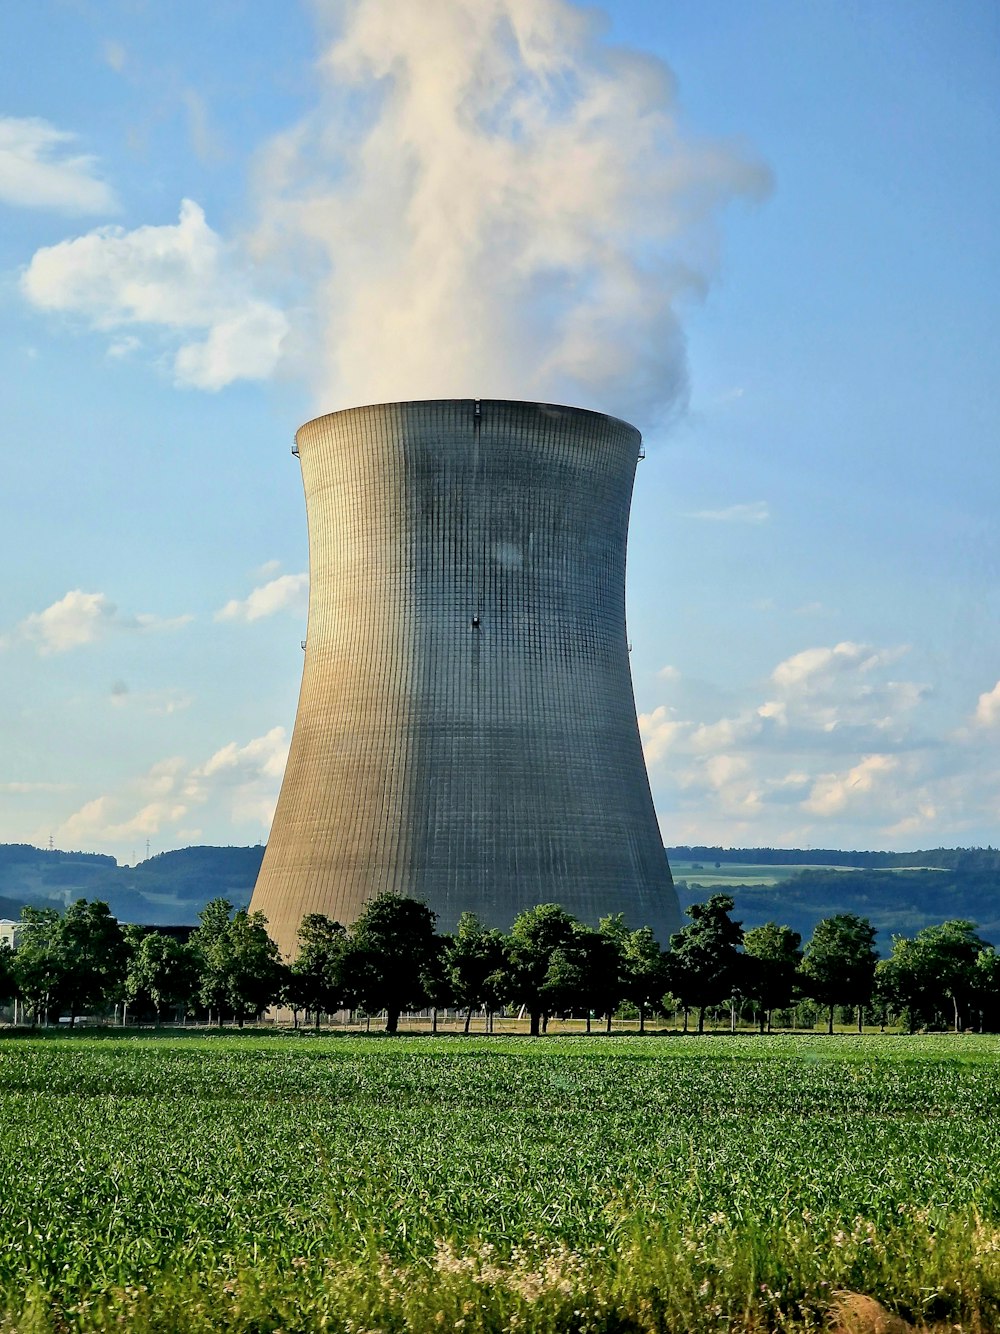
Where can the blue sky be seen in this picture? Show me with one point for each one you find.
(780, 260)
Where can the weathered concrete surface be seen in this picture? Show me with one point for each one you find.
(466, 730)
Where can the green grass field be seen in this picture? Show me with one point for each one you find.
(741, 873)
(289, 1183)
(726, 874)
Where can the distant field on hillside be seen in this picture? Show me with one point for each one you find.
(741, 873)
(711, 875)
(586, 1184)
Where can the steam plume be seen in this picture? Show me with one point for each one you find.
(492, 201)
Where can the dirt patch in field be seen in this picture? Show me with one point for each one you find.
(854, 1313)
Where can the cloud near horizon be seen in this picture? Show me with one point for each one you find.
(831, 751)
(237, 782)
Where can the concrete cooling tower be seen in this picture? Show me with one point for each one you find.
(466, 732)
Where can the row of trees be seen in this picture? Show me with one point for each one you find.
(392, 960)
(946, 974)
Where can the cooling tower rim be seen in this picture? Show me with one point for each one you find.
(553, 409)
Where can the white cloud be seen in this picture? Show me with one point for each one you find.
(843, 687)
(755, 511)
(264, 755)
(179, 280)
(237, 785)
(828, 752)
(660, 732)
(80, 618)
(166, 701)
(115, 55)
(832, 792)
(287, 592)
(987, 713)
(38, 170)
(26, 787)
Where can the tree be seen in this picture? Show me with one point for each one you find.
(8, 987)
(584, 974)
(389, 955)
(838, 964)
(641, 963)
(988, 988)
(163, 969)
(772, 957)
(475, 961)
(256, 970)
(39, 961)
(94, 953)
(317, 975)
(240, 969)
(212, 947)
(940, 964)
(535, 936)
(703, 965)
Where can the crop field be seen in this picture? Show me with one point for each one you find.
(291, 1183)
(725, 874)
(729, 874)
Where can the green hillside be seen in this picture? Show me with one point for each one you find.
(167, 890)
(899, 892)
(792, 886)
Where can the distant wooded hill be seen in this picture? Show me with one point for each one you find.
(793, 886)
(167, 890)
(899, 892)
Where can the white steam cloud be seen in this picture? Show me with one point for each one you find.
(489, 200)
(493, 201)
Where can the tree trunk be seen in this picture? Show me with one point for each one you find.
(732, 1016)
(701, 1018)
(769, 1021)
(608, 1028)
(316, 1019)
(954, 1001)
(829, 1028)
(685, 1019)
(434, 1019)
(861, 1018)
(588, 1021)
(468, 1019)
(535, 1019)
(392, 1021)
(545, 1021)
(642, 1019)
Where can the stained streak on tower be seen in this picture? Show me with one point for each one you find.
(466, 730)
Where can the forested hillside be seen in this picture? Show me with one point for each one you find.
(167, 890)
(885, 887)
(172, 888)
